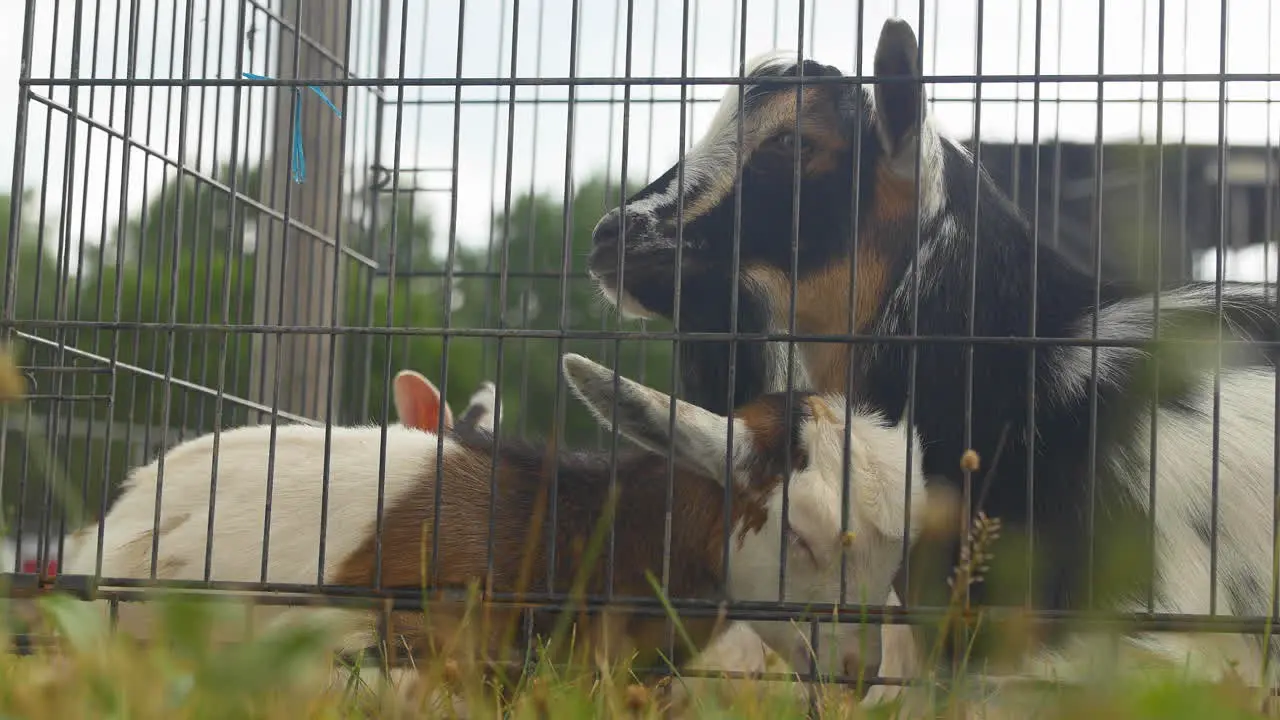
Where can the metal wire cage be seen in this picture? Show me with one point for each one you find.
(197, 242)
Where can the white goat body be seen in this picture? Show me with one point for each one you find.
(296, 466)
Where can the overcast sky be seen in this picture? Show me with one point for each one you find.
(949, 31)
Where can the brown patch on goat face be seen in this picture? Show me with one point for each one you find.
(822, 308)
(776, 450)
(895, 196)
(822, 296)
(819, 126)
(818, 312)
(754, 515)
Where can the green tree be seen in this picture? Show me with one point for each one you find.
(201, 272)
(414, 235)
(548, 289)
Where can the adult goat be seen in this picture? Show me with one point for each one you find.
(805, 202)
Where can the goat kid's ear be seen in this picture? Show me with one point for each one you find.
(481, 408)
(643, 416)
(418, 402)
(899, 102)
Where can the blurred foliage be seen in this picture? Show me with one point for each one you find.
(282, 670)
(202, 270)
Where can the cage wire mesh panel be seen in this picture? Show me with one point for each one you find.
(197, 243)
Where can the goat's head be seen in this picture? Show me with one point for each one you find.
(418, 405)
(803, 448)
(857, 150)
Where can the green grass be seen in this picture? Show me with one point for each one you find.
(285, 671)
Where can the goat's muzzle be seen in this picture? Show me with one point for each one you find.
(613, 229)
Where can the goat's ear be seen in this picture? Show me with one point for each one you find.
(700, 440)
(899, 100)
(418, 403)
(481, 408)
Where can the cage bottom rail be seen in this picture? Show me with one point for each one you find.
(26, 585)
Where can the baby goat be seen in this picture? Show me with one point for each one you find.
(810, 440)
(419, 406)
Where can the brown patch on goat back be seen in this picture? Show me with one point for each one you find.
(522, 521)
(447, 629)
(774, 437)
(407, 523)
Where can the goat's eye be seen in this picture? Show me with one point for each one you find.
(794, 538)
(788, 139)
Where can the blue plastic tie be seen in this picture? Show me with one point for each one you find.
(297, 159)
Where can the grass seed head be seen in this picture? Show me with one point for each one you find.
(452, 674)
(637, 698)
